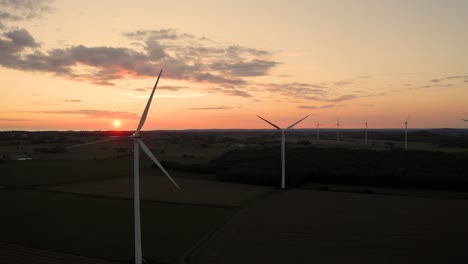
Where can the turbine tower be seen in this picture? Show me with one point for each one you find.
(406, 132)
(283, 142)
(318, 130)
(365, 133)
(137, 142)
(337, 129)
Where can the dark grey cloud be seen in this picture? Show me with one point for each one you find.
(251, 68)
(72, 100)
(21, 38)
(315, 107)
(218, 79)
(210, 108)
(20, 10)
(12, 43)
(235, 51)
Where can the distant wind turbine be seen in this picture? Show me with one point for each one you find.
(136, 169)
(466, 120)
(283, 142)
(337, 129)
(365, 133)
(406, 132)
(318, 130)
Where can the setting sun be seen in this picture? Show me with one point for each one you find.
(116, 123)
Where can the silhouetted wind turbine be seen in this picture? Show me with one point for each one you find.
(365, 133)
(466, 120)
(406, 132)
(283, 142)
(337, 129)
(318, 130)
(136, 170)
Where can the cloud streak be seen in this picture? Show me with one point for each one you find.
(210, 108)
(90, 113)
(14, 120)
(316, 107)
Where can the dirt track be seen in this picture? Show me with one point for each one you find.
(307, 226)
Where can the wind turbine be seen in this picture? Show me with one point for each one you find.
(406, 132)
(283, 142)
(337, 129)
(365, 133)
(466, 120)
(318, 130)
(137, 142)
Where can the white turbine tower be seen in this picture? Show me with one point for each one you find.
(318, 130)
(365, 133)
(283, 142)
(406, 132)
(337, 129)
(137, 142)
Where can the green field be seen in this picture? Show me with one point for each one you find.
(102, 227)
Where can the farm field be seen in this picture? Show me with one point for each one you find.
(341, 205)
(387, 191)
(102, 227)
(305, 226)
(158, 188)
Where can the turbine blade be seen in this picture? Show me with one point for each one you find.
(153, 158)
(291, 126)
(277, 127)
(145, 113)
(99, 141)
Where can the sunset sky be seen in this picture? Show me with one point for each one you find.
(87, 65)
